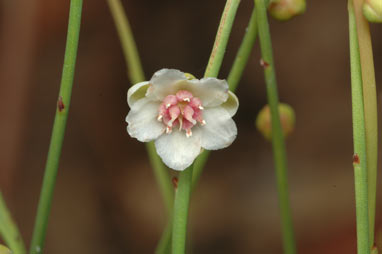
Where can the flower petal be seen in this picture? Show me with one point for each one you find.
(212, 91)
(136, 92)
(162, 83)
(176, 150)
(231, 104)
(220, 130)
(142, 121)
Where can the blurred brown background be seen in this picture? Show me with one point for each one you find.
(106, 199)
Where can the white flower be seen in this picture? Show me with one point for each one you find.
(182, 115)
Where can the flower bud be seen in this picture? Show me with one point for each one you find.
(286, 9)
(4, 250)
(372, 9)
(264, 121)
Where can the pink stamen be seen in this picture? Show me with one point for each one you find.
(174, 112)
(196, 103)
(184, 95)
(183, 109)
(170, 100)
(188, 113)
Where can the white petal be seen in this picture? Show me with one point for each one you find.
(212, 91)
(136, 92)
(220, 130)
(142, 121)
(232, 104)
(162, 83)
(176, 150)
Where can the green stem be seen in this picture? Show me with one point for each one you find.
(9, 231)
(164, 245)
(221, 39)
(278, 142)
(234, 77)
(370, 108)
(59, 125)
(215, 62)
(180, 218)
(134, 67)
(136, 75)
(359, 139)
(242, 55)
(162, 176)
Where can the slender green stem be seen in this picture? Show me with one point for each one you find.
(221, 39)
(9, 231)
(181, 204)
(370, 108)
(278, 142)
(134, 67)
(233, 79)
(136, 75)
(215, 62)
(359, 139)
(164, 245)
(162, 176)
(59, 125)
(242, 55)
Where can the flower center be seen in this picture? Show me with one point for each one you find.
(181, 109)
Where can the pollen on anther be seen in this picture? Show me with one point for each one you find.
(168, 105)
(201, 107)
(160, 118)
(168, 130)
(203, 123)
(188, 133)
(187, 99)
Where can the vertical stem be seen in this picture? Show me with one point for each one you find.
(162, 176)
(359, 139)
(278, 142)
(215, 62)
(135, 72)
(233, 79)
(221, 39)
(242, 55)
(181, 204)
(134, 66)
(59, 125)
(9, 231)
(370, 108)
(164, 245)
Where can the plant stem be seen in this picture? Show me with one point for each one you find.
(181, 205)
(215, 62)
(135, 73)
(370, 108)
(233, 79)
(134, 66)
(59, 125)
(359, 139)
(164, 245)
(278, 142)
(221, 39)
(242, 55)
(9, 231)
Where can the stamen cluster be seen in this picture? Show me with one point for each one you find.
(181, 109)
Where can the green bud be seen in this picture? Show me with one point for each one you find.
(189, 76)
(372, 9)
(286, 9)
(4, 250)
(287, 118)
